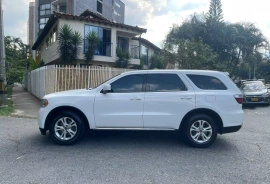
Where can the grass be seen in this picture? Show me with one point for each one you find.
(7, 107)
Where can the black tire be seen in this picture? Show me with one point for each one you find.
(194, 120)
(67, 116)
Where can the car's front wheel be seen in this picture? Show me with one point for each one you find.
(66, 128)
(200, 131)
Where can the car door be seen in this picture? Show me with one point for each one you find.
(123, 106)
(167, 100)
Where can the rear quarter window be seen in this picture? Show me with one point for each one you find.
(206, 82)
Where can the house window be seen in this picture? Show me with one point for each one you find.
(47, 43)
(54, 35)
(41, 26)
(45, 9)
(99, 6)
(123, 44)
(144, 56)
(105, 46)
(43, 22)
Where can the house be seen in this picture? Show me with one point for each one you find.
(112, 35)
(147, 49)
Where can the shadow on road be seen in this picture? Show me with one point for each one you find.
(149, 141)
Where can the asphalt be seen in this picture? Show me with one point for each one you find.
(26, 105)
(127, 157)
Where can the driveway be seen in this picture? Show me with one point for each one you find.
(135, 157)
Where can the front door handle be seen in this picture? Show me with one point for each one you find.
(135, 98)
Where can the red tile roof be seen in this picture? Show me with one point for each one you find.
(88, 16)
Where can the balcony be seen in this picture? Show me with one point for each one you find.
(103, 48)
(134, 50)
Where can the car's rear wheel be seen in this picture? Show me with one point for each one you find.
(200, 131)
(66, 128)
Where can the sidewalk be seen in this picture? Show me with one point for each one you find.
(26, 105)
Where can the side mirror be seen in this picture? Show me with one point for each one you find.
(106, 88)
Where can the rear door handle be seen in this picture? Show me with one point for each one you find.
(186, 98)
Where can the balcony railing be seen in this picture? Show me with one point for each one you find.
(145, 59)
(103, 48)
(134, 50)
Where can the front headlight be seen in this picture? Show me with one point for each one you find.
(265, 94)
(44, 103)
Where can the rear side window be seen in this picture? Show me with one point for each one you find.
(164, 83)
(207, 82)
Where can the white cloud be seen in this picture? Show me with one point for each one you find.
(233, 10)
(157, 16)
(15, 18)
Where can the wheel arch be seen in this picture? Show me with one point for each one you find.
(211, 113)
(56, 110)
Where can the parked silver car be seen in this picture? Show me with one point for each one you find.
(255, 92)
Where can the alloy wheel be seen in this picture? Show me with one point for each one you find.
(201, 131)
(65, 128)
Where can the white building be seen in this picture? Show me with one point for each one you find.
(112, 35)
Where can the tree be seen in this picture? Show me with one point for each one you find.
(156, 62)
(69, 44)
(92, 42)
(232, 43)
(215, 11)
(190, 54)
(16, 58)
(123, 59)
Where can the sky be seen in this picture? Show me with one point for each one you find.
(157, 16)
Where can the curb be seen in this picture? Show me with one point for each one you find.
(23, 116)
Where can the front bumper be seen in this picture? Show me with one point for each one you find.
(226, 130)
(42, 131)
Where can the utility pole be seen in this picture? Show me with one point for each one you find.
(249, 72)
(254, 77)
(3, 95)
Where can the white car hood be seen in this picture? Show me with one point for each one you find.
(77, 92)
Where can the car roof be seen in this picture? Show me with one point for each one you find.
(175, 71)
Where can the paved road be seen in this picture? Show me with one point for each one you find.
(135, 157)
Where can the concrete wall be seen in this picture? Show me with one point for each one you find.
(119, 7)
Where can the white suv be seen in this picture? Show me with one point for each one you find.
(199, 104)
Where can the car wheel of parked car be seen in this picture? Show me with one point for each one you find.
(66, 128)
(200, 131)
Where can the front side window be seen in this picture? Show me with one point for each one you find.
(129, 84)
(164, 83)
(207, 82)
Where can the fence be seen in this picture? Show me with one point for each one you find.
(50, 79)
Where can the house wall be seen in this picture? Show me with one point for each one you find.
(51, 54)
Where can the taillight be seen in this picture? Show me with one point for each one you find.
(239, 98)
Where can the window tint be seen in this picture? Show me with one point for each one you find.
(164, 83)
(207, 82)
(128, 84)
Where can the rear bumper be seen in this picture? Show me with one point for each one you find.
(226, 130)
(261, 100)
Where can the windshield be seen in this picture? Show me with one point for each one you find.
(254, 86)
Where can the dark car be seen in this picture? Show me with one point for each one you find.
(255, 92)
